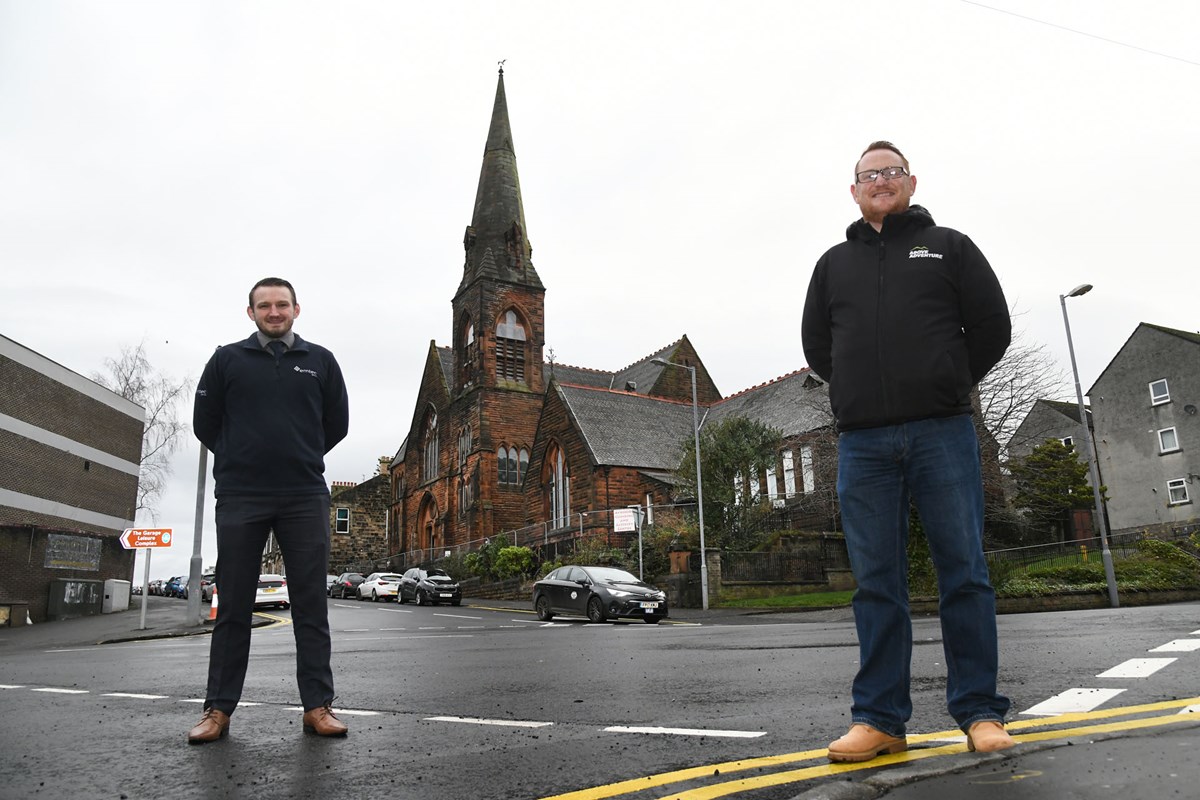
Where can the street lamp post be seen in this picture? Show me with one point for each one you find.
(699, 478)
(1105, 554)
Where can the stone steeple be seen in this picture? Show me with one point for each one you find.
(496, 241)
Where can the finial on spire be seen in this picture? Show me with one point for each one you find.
(501, 63)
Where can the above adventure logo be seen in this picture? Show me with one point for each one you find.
(921, 251)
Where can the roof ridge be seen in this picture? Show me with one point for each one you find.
(765, 383)
(625, 393)
(573, 366)
(645, 359)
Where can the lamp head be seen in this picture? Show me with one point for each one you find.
(1081, 289)
(662, 362)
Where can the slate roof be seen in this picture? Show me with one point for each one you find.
(793, 404)
(1188, 335)
(626, 429)
(446, 356)
(1070, 410)
(581, 376)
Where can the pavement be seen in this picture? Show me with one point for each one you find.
(1127, 761)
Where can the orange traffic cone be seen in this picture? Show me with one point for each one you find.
(212, 609)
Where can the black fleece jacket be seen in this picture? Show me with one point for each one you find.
(270, 423)
(902, 323)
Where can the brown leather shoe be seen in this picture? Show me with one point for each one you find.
(863, 743)
(322, 722)
(988, 736)
(212, 726)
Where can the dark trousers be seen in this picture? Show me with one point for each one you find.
(301, 526)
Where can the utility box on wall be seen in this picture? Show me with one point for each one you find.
(116, 596)
(75, 597)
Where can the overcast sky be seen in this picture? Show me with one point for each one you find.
(683, 165)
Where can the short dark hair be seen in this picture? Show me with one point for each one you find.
(272, 282)
(880, 145)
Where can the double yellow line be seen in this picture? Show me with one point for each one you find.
(726, 788)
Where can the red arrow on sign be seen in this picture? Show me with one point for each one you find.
(137, 538)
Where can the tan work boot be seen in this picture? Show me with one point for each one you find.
(988, 736)
(212, 726)
(863, 743)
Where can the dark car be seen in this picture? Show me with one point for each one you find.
(346, 585)
(599, 593)
(429, 587)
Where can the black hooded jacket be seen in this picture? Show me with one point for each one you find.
(904, 322)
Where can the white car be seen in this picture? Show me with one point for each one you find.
(272, 591)
(379, 586)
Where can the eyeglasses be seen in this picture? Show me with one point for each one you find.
(871, 175)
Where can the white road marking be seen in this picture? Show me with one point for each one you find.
(349, 712)
(63, 691)
(396, 610)
(1071, 701)
(514, 723)
(1137, 668)
(192, 700)
(684, 731)
(134, 696)
(11, 686)
(355, 630)
(393, 629)
(1190, 710)
(456, 616)
(433, 628)
(1177, 646)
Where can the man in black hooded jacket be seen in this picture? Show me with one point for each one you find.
(903, 319)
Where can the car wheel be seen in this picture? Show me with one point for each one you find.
(421, 598)
(358, 595)
(595, 610)
(374, 596)
(285, 605)
(400, 596)
(653, 620)
(542, 606)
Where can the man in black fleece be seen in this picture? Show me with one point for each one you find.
(270, 408)
(903, 319)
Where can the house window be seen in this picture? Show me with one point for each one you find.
(806, 469)
(772, 484)
(649, 509)
(429, 448)
(511, 464)
(558, 487)
(522, 465)
(1069, 441)
(1159, 393)
(738, 488)
(1168, 442)
(341, 521)
(510, 348)
(1177, 492)
(789, 473)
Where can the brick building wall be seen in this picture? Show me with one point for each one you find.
(365, 536)
(69, 464)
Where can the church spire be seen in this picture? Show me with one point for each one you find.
(496, 241)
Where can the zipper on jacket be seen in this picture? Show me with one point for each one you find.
(883, 394)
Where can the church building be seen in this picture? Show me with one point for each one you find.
(501, 439)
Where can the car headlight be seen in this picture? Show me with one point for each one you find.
(620, 593)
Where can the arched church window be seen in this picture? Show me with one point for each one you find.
(557, 480)
(466, 494)
(468, 354)
(510, 348)
(429, 447)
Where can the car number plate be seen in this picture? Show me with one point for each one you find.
(446, 594)
(649, 605)
(268, 590)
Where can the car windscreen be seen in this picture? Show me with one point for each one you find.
(610, 575)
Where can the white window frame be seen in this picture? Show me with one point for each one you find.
(806, 469)
(1177, 493)
(1068, 441)
(789, 473)
(649, 509)
(1162, 444)
(772, 484)
(1164, 397)
(341, 524)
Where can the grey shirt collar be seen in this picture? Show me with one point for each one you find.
(288, 339)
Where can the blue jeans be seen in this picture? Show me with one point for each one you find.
(936, 464)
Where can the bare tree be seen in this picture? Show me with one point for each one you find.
(134, 378)
(1027, 373)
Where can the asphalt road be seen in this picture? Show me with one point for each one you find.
(484, 701)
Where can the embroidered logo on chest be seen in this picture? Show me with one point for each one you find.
(921, 251)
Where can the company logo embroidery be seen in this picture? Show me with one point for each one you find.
(310, 372)
(921, 251)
